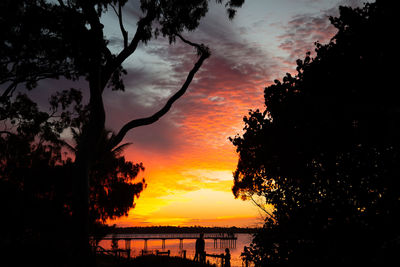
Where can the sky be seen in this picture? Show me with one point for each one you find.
(188, 157)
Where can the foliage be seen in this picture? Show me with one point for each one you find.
(67, 40)
(46, 39)
(324, 153)
(112, 191)
(36, 177)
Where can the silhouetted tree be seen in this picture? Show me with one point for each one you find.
(112, 192)
(36, 185)
(65, 38)
(325, 151)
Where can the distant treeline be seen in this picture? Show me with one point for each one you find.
(175, 229)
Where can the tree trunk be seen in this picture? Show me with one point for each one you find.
(86, 152)
(81, 249)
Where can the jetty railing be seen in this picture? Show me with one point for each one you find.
(220, 239)
(118, 253)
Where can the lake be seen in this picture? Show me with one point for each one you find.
(188, 245)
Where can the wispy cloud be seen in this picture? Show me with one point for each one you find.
(303, 30)
(188, 156)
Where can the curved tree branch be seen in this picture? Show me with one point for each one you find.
(201, 49)
(9, 90)
(121, 24)
(129, 49)
(6, 132)
(261, 207)
(204, 54)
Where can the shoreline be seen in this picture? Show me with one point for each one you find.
(148, 261)
(184, 230)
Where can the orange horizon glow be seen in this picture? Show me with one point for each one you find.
(192, 185)
(188, 158)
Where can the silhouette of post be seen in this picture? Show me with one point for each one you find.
(128, 247)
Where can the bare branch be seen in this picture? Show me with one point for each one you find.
(128, 50)
(261, 207)
(10, 89)
(201, 49)
(61, 3)
(31, 78)
(121, 24)
(156, 116)
(115, 10)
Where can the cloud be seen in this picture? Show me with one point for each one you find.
(229, 83)
(188, 158)
(188, 150)
(303, 30)
(216, 99)
(208, 175)
(193, 208)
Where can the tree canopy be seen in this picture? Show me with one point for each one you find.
(65, 39)
(324, 152)
(36, 184)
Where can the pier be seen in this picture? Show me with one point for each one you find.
(220, 240)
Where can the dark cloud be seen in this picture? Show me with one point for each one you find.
(228, 84)
(303, 30)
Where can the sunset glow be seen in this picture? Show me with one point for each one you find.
(143, 133)
(188, 158)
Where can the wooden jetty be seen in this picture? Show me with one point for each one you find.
(221, 240)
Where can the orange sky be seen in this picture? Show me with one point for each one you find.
(192, 185)
(188, 158)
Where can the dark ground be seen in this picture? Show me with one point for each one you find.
(149, 261)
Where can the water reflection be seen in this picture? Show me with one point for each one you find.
(188, 244)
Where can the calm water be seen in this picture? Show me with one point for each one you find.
(188, 245)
